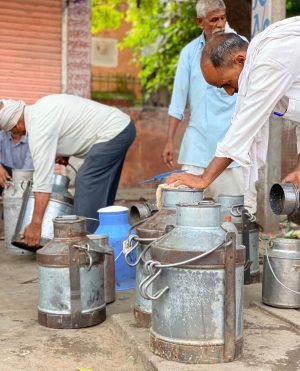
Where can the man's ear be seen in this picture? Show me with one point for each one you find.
(239, 59)
(200, 22)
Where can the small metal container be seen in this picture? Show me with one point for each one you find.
(284, 199)
(12, 203)
(71, 277)
(233, 205)
(60, 203)
(109, 266)
(281, 275)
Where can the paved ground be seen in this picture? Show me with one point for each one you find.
(271, 343)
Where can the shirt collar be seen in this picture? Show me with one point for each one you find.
(23, 138)
(202, 39)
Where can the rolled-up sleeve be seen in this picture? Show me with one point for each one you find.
(43, 147)
(267, 84)
(180, 88)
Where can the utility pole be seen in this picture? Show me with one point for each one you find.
(265, 12)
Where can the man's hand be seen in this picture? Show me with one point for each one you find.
(293, 177)
(32, 234)
(61, 160)
(168, 154)
(190, 180)
(4, 176)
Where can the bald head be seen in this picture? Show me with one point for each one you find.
(220, 49)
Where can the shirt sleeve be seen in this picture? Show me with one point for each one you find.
(180, 87)
(43, 147)
(298, 137)
(267, 84)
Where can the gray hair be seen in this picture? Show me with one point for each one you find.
(219, 49)
(204, 6)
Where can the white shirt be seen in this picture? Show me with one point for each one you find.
(67, 125)
(271, 76)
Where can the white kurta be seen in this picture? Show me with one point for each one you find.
(271, 77)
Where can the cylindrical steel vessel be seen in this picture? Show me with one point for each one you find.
(281, 275)
(71, 277)
(197, 301)
(12, 203)
(151, 229)
(284, 199)
(232, 205)
(109, 266)
(60, 203)
(142, 211)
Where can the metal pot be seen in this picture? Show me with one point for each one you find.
(12, 203)
(197, 289)
(60, 203)
(71, 277)
(247, 232)
(281, 275)
(147, 232)
(109, 266)
(284, 199)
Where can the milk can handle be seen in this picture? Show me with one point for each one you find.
(87, 250)
(154, 268)
(236, 210)
(133, 242)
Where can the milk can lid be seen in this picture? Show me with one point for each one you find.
(112, 209)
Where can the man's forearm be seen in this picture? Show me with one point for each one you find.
(173, 125)
(215, 168)
(41, 200)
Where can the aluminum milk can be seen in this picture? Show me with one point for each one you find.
(147, 232)
(109, 266)
(281, 274)
(71, 277)
(60, 203)
(197, 289)
(12, 202)
(248, 232)
(284, 199)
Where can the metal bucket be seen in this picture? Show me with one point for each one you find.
(109, 266)
(281, 275)
(247, 232)
(197, 289)
(284, 199)
(12, 203)
(147, 232)
(60, 203)
(71, 277)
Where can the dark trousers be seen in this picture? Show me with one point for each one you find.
(97, 180)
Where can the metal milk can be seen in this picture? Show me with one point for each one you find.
(109, 266)
(281, 274)
(197, 289)
(60, 203)
(71, 277)
(12, 202)
(284, 199)
(147, 232)
(248, 233)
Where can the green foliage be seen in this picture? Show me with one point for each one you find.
(105, 15)
(292, 8)
(159, 32)
(160, 29)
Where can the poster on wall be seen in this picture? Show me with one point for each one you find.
(261, 15)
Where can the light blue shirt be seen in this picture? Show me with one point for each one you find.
(14, 155)
(211, 108)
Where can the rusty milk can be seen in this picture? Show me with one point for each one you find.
(147, 232)
(71, 277)
(247, 233)
(12, 203)
(197, 276)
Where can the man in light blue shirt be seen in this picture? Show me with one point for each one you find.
(210, 108)
(14, 154)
